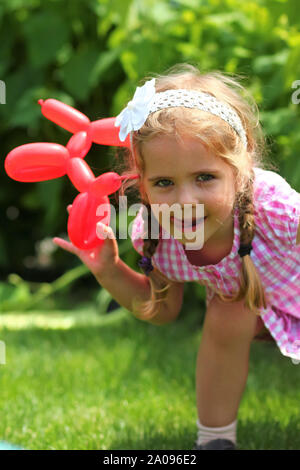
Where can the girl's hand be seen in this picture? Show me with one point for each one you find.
(96, 259)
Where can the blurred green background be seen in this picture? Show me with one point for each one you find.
(91, 55)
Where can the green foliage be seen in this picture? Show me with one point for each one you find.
(93, 54)
(18, 295)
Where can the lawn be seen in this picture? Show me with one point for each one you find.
(80, 380)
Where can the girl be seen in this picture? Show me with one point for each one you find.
(195, 141)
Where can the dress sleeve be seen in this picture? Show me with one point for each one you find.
(136, 232)
(279, 210)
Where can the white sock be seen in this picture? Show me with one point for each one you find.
(206, 434)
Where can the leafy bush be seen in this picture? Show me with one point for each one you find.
(92, 55)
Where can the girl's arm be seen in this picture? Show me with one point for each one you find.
(124, 284)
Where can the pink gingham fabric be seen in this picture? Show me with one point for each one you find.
(275, 255)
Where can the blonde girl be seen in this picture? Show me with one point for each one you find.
(196, 142)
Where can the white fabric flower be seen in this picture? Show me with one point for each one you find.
(136, 112)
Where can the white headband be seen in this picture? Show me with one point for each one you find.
(147, 101)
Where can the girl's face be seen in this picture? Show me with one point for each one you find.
(184, 172)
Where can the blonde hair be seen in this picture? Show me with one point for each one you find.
(219, 137)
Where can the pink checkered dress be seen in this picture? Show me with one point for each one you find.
(275, 255)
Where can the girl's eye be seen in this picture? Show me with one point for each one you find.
(205, 181)
(211, 177)
(157, 183)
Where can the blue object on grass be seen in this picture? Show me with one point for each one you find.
(7, 446)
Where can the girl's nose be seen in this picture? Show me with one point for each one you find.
(186, 196)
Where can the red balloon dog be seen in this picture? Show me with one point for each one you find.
(46, 161)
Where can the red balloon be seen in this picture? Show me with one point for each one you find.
(46, 161)
(36, 162)
(79, 144)
(104, 132)
(64, 115)
(83, 220)
(105, 184)
(80, 174)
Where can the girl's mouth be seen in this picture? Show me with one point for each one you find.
(188, 225)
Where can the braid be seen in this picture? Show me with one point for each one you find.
(251, 287)
(150, 245)
(246, 213)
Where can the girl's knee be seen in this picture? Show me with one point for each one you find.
(230, 322)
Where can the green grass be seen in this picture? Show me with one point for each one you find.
(79, 380)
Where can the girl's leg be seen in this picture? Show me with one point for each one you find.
(222, 363)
